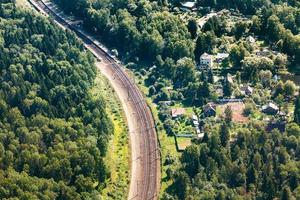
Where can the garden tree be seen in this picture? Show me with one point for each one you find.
(185, 72)
(251, 175)
(265, 76)
(205, 89)
(215, 24)
(249, 109)
(166, 67)
(237, 54)
(227, 88)
(297, 110)
(240, 29)
(152, 90)
(143, 8)
(256, 25)
(280, 61)
(205, 43)
(193, 27)
(197, 93)
(293, 129)
(228, 114)
(182, 185)
(289, 88)
(224, 134)
(279, 89)
(53, 133)
(275, 29)
(210, 76)
(287, 194)
(152, 45)
(253, 65)
(190, 158)
(280, 100)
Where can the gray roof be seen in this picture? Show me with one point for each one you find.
(206, 56)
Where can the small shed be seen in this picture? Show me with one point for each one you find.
(270, 109)
(220, 57)
(246, 90)
(209, 110)
(188, 6)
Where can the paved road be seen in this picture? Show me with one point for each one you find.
(145, 157)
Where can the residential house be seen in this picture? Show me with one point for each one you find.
(188, 6)
(270, 109)
(209, 110)
(246, 90)
(177, 112)
(220, 57)
(165, 103)
(206, 61)
(263, 53)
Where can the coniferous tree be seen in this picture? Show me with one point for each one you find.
(297, 110)
(224, 134)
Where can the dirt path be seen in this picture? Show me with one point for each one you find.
(133, 126)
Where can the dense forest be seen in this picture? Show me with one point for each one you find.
(257, 165)
(53, 134)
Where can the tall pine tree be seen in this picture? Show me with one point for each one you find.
(297, 111)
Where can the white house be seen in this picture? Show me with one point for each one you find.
(188, 5)
(206, 60)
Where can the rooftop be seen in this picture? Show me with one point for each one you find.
(251, 39)
(175, 112)
(206, 56)
(188, 4)
(209, 106)
(222, 55)
(270, 105)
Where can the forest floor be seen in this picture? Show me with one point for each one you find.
(118, 155)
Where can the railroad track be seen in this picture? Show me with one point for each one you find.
(148, 186)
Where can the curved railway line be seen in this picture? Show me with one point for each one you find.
(149, 168)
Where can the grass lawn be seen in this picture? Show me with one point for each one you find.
(183, 143)
(118, 155)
